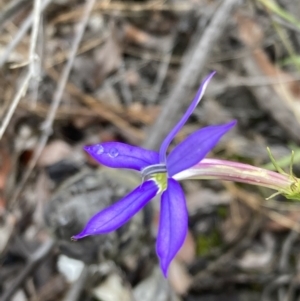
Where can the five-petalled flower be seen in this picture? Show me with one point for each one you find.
(158, 171)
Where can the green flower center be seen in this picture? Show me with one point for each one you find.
(161, 180)
(293, 191)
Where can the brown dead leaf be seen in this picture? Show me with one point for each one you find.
(107, 58)
(132, 78)
(249, 31)
(187, 253)
(55, 287)
(54, 152)
(274, 226)
(179, 278)
(149, 114)
(287, 87)
(82, 122)
(6, 229)
(5, 168)
(139, 37)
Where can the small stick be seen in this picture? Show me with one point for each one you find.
(66, 72)
(131, 6)
(77, 287)
(34, 60)
(47, 125)
(163, 68)
(20, 34)
(107, 111)
(34, 37)
(10, 9)
(14, 103)
(190, 73)
(32, 72)
(284, 261)
(125, 89)
(271, 102)
(34, 260)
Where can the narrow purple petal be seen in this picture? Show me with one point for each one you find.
(182, 121)
(121, 155)
(119, 213)
(195, 147)
(173, 224)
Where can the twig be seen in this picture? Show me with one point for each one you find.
(255, 202)
(236, 80)
(14, 103)
(34, 260)
(10, 9)
(278, 100)
(108, 112)
(75, 290)
(190, 73)
(20, 34)
(163, 68)
(283, 265)
(278, 282)
(47, 125)
(125, 90)
(271, 102)
(34, 35)
(32, 72)
(34, 60)
(286, 248)
(242, 244)
(131, 6)
(292, 289)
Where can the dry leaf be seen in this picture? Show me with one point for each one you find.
(187, 253)
(107, 58)
(179, 278)
(287, 87)
(54, 152)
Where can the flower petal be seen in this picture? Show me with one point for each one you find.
(173, 224)
(119, 213)
(195, 147)
(121, 155)
(182, 121)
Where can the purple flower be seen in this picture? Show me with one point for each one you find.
(158, 170)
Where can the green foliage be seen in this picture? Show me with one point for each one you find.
(285, 161)
(293, 191)
(276, 9)
(290, 60)
(222, 211)
(208, 241)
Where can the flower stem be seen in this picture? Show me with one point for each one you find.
(238, 172)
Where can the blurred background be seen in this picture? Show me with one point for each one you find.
(76, 72)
